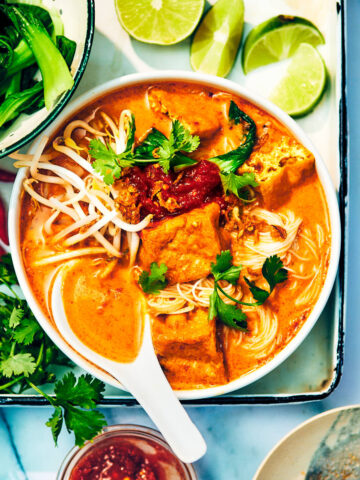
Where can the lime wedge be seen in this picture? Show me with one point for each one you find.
(217, 39)
(163, 22)
(276, 39)
(301, 88)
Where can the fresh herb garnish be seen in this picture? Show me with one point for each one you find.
(156, 148)
(75, 402)
(7, 272)
(167, 151)
(236, 183)
(274, 273)
(231, 161)
(27, 359)
(230, 315)
(154, 281)
(108, 163)
(223, 269)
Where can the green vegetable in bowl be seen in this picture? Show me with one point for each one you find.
(31, 39)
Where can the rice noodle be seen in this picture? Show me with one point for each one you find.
(253, 253)
(181, 298)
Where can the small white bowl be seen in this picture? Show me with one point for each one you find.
(235, 89)
(79, 19)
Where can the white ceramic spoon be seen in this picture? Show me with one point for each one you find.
(145, 380)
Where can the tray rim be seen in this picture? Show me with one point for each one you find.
(273, 399)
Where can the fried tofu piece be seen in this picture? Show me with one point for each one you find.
(184, 373)
(279, 170)
(189, 335)
(204, 121)
(187, 244)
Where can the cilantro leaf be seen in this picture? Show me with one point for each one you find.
(18, 364)
(55, 422)
(84, 392)
(181, 138)
(26, 330)
(228, 314)
(223, 269)
(153, 141)
(84, 423)
(235, 183)
(259, 294)
(223, 262)
(7, 272)
(77, 398)
(274, 272)
(180, 161)
(229, 162)
(154, 281)
(166, 151)
(16, 316)
(108, 163)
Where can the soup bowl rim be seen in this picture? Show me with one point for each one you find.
(226, 85)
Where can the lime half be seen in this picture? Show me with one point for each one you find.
(163, 22)
(301, 88)
(276, 39)
(217, 39)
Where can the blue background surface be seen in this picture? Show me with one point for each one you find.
(238, 437)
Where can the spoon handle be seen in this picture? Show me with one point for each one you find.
(146, 381)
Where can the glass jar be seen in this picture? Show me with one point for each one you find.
(136, 432)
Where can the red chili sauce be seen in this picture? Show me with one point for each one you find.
(192, 188)
(128, 458)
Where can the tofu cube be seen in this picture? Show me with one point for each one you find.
(187, 244)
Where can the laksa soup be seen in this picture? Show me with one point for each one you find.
(186, 203)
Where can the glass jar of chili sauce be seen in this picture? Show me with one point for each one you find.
(125, 452)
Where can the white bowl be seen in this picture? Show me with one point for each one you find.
(78, 18)
(231, 87)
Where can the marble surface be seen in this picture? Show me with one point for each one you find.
(238, 437)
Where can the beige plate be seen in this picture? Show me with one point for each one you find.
(326, 447)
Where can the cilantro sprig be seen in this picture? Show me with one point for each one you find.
(237, 184)
(167, 151)
(274, 273)
(223, 269)
(153, 281)
(156, 148)
(28, 358)
(230, 315)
